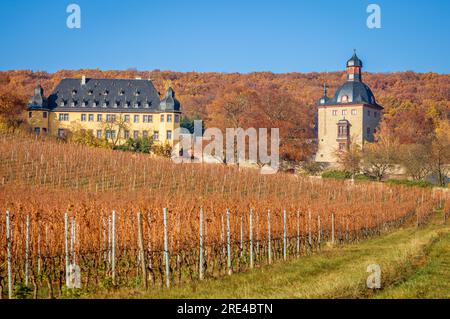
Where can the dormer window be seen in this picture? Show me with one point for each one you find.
(126, 104)
(73, 103)
(137, 93)
(344, 99)
(105, 92)
(116, 103)
(83, 104)
(105, 104)
(74, 92)
(94, 104)
(90, 92)
(121, 92)
(322, 101)
(62, 103)
(137, 104)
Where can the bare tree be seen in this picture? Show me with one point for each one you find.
(379, 158)
(115, 125)
(440, 152)
(415, 158)
(350, 158)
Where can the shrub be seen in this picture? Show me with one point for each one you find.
(312, 167)
(362, 177)
(336, 174)
(138, 145)
(409, 183)
(21, 291)
(162, 150)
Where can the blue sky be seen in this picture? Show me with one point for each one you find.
(225, 35)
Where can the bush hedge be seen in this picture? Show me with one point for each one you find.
(409, 183)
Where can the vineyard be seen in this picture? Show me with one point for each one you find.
(132, 220)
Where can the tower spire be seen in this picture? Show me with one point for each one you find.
(354, 66)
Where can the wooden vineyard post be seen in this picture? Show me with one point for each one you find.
(309, 230)
(105, 240)
(39, 250)
(284, 236)
(230, 270)
(8, 252)
(251, 238)
(166, 250)
(257, 236)
(242, 239)
(113, 248)
(332, 228)
(298, 233)
(200, 265)
(319, 232)
(109, 242)
(269, 241)
(222, 237)
(222, 234)
(141, 250)
(27, 248)
(66, 245)
(347, 232)
(73, 239)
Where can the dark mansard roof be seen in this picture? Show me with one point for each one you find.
(352, 91)
(109, 95)
(356, 92)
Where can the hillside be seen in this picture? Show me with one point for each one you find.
(414, 102)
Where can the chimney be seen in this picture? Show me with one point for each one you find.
(83, 80)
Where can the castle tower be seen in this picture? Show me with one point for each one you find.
(351, 116)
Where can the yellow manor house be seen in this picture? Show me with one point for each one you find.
(115, 109)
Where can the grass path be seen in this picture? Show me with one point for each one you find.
(414, 263)
(432, 280)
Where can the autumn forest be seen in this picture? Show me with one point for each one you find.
(415, 104)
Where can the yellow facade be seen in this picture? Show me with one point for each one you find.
(111, 125)
(352, 116)
(364, 121)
